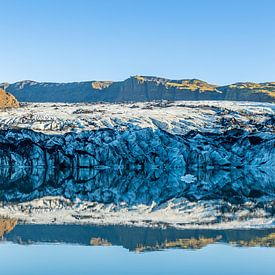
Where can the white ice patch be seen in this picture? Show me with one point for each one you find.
(188, 178)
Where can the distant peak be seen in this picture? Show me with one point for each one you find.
(23, 83)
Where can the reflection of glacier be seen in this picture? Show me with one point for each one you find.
(135, 186)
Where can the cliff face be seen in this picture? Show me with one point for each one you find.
(248, 91)
(139, 88)
(7, 100)
(151, 88)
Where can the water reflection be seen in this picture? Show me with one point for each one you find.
(136, 239)
(135, 186)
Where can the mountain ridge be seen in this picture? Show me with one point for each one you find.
(139, 88)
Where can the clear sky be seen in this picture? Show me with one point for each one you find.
(220, 41)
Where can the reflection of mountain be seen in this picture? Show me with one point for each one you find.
(134, 186)
(137, 238)
(191, 243)
(268, 241)
(99, 242)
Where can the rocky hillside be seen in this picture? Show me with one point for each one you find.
(7, 100)
(139, 88)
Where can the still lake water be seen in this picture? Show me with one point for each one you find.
(89, 249)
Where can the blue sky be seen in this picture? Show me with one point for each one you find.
(218, 41)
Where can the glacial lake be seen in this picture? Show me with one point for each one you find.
(91, 249)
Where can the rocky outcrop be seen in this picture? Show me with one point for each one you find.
(6, 225)
(139, 88)
(7, 100)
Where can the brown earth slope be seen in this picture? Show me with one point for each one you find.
(6, 225)
(7, 100)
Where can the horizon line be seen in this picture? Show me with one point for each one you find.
(131, 76)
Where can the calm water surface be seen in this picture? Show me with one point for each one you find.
(76, 249)
(76, 259)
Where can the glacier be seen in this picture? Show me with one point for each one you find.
(178, 164)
